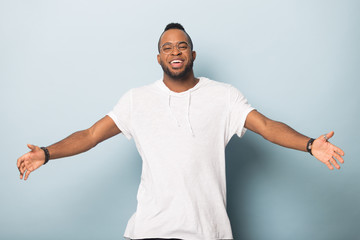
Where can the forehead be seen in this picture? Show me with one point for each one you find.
(173, 35)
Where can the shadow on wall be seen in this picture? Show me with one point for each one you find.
(245, 160)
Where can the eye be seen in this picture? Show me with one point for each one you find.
(167, 48)
(183, 46)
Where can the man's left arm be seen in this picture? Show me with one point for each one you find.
(283, 135)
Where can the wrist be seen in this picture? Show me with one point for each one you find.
(309, 145)
(47, 154)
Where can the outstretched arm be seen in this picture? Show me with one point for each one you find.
(283, 135)
(76, 143)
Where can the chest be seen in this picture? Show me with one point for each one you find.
(173, 114)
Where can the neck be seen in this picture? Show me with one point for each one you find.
(180, 85)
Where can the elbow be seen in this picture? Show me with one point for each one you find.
(90, 138)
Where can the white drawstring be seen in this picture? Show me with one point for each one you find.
(187, 114)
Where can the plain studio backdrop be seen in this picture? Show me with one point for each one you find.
(65, 64)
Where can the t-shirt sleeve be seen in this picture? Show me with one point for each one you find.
(121, 114)
(239, 108)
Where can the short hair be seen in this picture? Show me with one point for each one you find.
(176, 26)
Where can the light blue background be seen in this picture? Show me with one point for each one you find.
(64, 64)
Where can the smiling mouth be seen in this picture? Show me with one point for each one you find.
(176, 63)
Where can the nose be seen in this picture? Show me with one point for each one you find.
(175, 51)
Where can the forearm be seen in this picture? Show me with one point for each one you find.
(276, 132)
(76, 143)
(283, 135)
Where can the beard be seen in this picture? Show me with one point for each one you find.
(178, 75)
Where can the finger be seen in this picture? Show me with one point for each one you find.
(32, 147)
(328, 164)
(22, 168)
(27, 174)
(333, 161)
(330, 135)
(19, 161)
(22, 173)
(339, 151)
(338, 157)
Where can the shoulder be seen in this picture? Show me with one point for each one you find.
(220, 87)
(209, 84)
(143, 89)
(215, 84)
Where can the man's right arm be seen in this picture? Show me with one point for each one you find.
(76, 143)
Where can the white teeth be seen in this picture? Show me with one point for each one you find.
(176, 61)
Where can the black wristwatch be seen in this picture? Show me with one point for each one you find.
(47, 154)
(309, 145)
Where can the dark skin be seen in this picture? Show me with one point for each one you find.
(188, 81)
(273, 131)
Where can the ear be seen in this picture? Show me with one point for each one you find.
(193, 55)
(158, 58)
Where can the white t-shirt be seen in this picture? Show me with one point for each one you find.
(181, 138)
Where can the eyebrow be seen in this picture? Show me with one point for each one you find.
(168, 43)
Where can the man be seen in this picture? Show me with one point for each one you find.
(181, 125)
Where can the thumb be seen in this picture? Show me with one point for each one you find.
(32, 147)
(330, 135)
